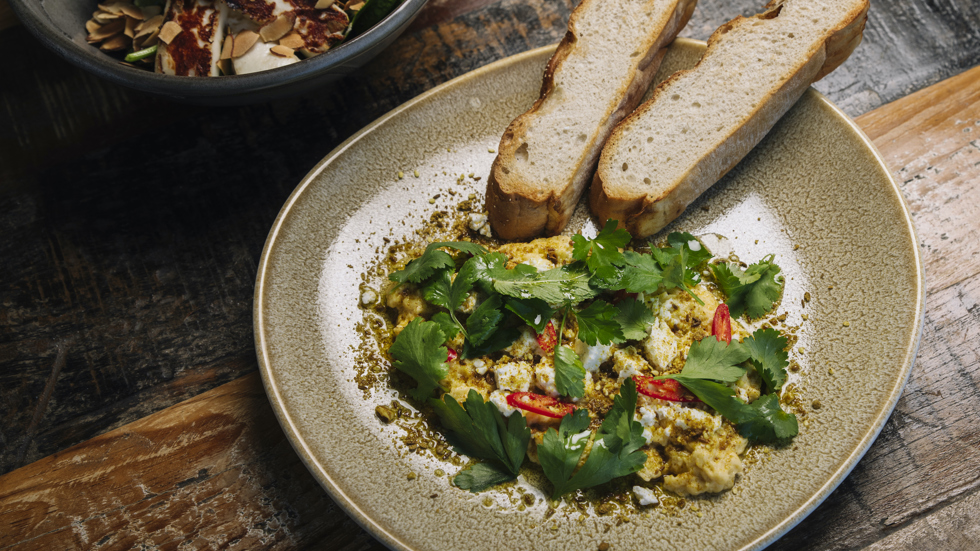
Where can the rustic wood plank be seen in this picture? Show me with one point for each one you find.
(920, 473)
(954, 527)
(214, 471)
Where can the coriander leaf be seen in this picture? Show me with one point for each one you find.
(480, 431)
(620, 430)
(566, 285)
(767, 350)
(596, 324)
(760, 421)
(778, 424)
(615, 451)
(433, 259)
(677, 275)
(712, 359)
(481, 476)
(483, 322)
(641, 274)
(448, 326)
(718, 396)
(418, 351)
(436, 289)
(560, 451)
(695, 251)
(602, 466)
(569, 373)
(535, 312)
(752, 292)
(602, 253)
(503, 337)
(634, 318)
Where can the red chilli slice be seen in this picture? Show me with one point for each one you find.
(549, 338)
(451, 355)
(542, 405)
(664, 389)
(721, 326)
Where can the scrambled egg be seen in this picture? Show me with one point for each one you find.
(692, 450)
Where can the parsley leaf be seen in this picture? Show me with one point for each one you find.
(436, 289)
(596, 324)
(620, 429)
(753, 291)
(418, 351)
(534, 311)
(641, 273)
(678, 274)
(712, 359)
(504, 336)
(615, 451)
(718, 396)
(569, 372)
(770, 422)
(760, 421)
(433, 259)
(566, 285)
(601, 254)
(695, 252)
(481, 431)
(560, 451)
(767, 350)
(483, 322)
(634, 318)
(481, 476)
(448, 326)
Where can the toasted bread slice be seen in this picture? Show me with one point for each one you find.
(599, 74)
(700, 123)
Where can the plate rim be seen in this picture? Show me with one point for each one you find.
(326, 481)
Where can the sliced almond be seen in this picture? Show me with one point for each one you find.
(355, 6)
(225, 66)
(103, 17)
(282, 51)
(292, 40)
(111, 7)
(323, 4)
(151, 40)
(169, 31)
(278, 28)
(130, 29)
(150, 12)
(227, 47)
(108, 30)
(116, 43)
(243, 43)
(130, 10)
(91, 26)
(149, 25)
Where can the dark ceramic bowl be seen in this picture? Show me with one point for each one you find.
(60, 25)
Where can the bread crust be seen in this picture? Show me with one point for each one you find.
(644, 214)
(521, 209)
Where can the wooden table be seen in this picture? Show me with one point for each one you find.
(130, 229)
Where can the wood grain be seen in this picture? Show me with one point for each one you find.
(217, 466)
(214, 471)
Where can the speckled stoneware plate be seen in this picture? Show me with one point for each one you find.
(815, 182)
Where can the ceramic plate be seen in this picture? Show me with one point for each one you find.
(814, 192)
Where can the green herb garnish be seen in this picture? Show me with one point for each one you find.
(481, 431)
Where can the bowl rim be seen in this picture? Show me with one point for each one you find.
(33, 15)
(370, 524)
